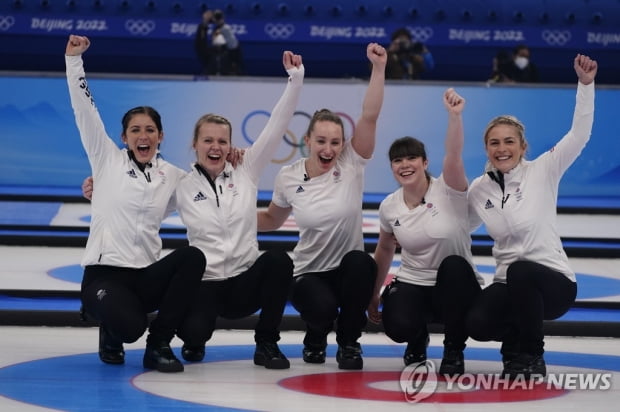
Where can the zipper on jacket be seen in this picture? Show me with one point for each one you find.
(499, 179)
(211, 182)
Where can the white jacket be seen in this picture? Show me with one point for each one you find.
(126, 209)
(525, 228)
(223, 224)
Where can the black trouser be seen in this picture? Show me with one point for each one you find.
(341, 294)
(265, 286)
(513, 312)
(408, 308)
(121, 298)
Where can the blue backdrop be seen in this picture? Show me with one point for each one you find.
(41, 146)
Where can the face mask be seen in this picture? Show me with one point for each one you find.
(521, 62)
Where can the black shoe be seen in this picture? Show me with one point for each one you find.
(110, 349)
(526, 365)
(350, 356)
(314, 353)
(193, 353)
(416, 351)
(268, 354)
(160, 357)
(509, 351)
(508, 357)
(453, 362)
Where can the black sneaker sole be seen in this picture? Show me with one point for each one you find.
(271, 363)
(112, 360)
(165, 368)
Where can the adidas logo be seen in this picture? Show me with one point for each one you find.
(132, 173)
(489, 204)
(397, 223)
(300, 189)
(200, 196)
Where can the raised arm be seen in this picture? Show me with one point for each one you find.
(363, 141)
(453, 168)
(573, 142)
(76, 45)
(272, 218)
(92, 131)
(586, 69)
(265, 146)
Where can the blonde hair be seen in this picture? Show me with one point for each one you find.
(212, 118)
(507, 120)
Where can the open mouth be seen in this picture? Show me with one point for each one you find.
(143, 149)
(325, 160)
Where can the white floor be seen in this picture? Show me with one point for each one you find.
(54, 365)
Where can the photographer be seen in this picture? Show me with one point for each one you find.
(216, 45)
(407, 59)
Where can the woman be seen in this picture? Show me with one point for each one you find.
(333, 277)
(217, 203)
(517, 199)
(124, 278)
(427, 217)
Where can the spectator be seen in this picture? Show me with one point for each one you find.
(216, 46)
(407, 59)
(502, 67)
(522, 69)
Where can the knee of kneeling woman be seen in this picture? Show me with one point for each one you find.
(517, 271)
(453, 267)
(278, 259)
(196, 259)
(360, 262)
(474, 325)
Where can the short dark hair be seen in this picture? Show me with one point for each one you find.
(147, 110)
(407, 146)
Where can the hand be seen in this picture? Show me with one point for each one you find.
(373, 309)
(585, 68)
(87, 188)
(376, 54)
(76, 45)
(453, 101)
(235, 156)
(290, 60)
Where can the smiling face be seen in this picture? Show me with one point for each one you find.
(505, 143)
(212, 144)
(325, 143)
(409, 170)
(142, 133)
(408, 162)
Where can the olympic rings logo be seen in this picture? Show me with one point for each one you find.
(294, 141)
(421, 34)
(6, 22)
(556, 37)
(140, 27)
(279, 31)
